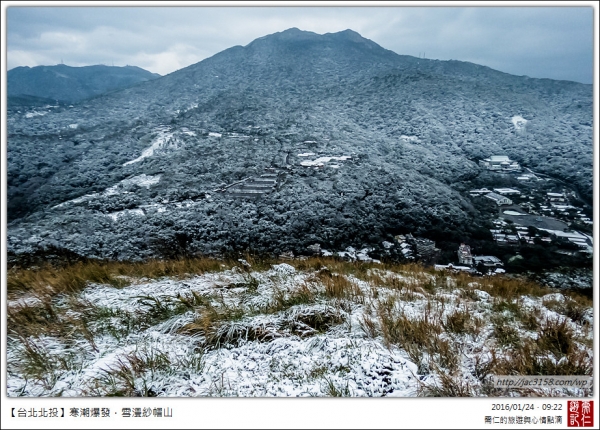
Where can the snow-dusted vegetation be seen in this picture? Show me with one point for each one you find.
(302, 104)
(316, 327)
(144, 200)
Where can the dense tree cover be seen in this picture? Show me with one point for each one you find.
(414, 130)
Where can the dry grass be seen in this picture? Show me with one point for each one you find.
(461, 321)
(331, 389)
(369, 326)
(529, 359)
(338, 286)
(432, 337)
(556, 336)
(530, 319)
(419, 337)
(505, 333)
(510, 307)
(210, 316)
(72, 278)
(133, 373)
(304, 294)
(508, 288)
(448, 386)
(25, 322)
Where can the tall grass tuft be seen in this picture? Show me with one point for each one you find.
(529, 359)
(556, 336)
(505, 333)
(338, 286)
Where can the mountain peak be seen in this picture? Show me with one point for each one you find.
(295, 33)
(293, 36)
(348, 34)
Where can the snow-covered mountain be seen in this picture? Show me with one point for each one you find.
(295, 139)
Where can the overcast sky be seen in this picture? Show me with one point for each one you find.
(541, 42)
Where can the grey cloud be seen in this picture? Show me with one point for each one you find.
(536, 41)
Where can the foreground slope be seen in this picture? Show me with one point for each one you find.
(314, 327)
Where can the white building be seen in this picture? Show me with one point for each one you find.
(498, 199)
(500, 163)
(507, 191)
(464, 254)
(487, 261)
(555, 197)
(479, 192)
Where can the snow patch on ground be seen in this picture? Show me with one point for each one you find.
(187, 131)
(34, 113)
(321, 161)
(162, 139)
(116, 215)
(212, 134)
(154, 207)
(306, 154)
(142, 180)
(409, 138)
(519, 122)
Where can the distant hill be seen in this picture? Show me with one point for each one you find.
(25, 100)
(71, 84)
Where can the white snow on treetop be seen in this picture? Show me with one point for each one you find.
(142, 180)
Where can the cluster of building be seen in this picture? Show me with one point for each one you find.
(558, 204)
(469, 263)
(417, 248)
(500, 163)
(465, 257)
(502, 236)
(498, 195)
(515, 235)
(583, 242)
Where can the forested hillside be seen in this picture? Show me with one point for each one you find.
(358, 144)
